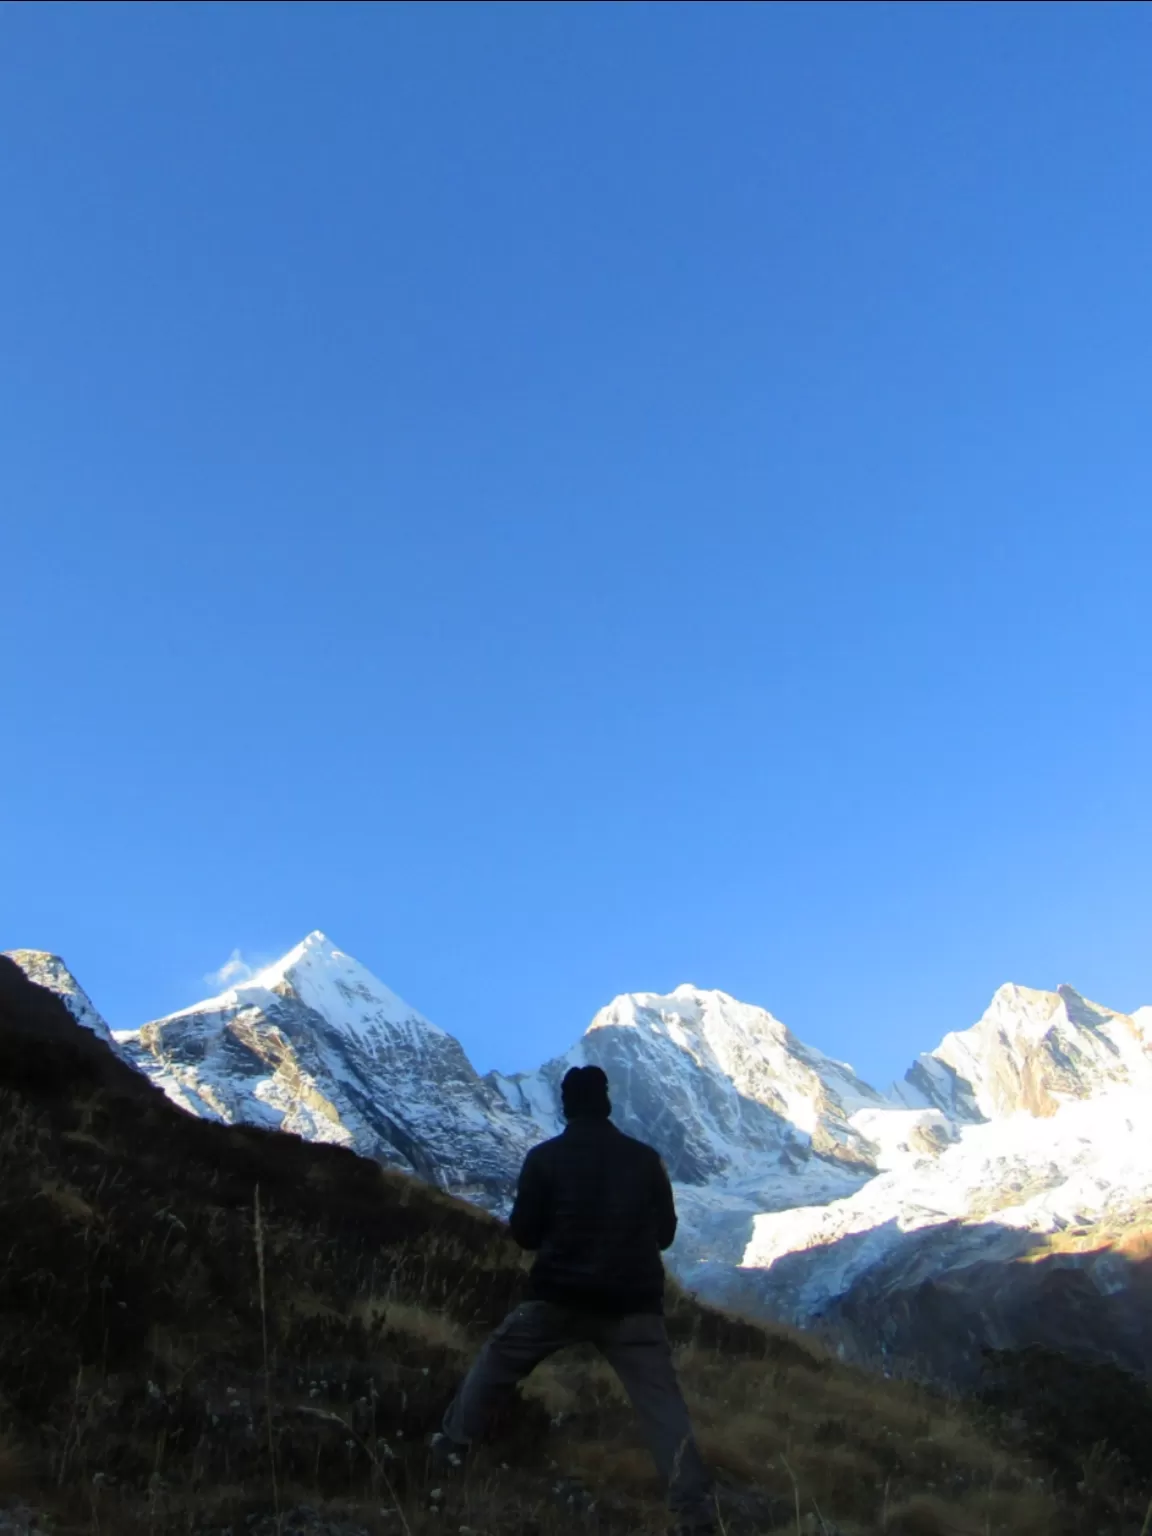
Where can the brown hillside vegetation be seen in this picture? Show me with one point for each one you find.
(207, 1329)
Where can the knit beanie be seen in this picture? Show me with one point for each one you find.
(584, 1091)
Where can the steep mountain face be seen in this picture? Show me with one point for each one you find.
(1031, 1214)
(316, 1045)
(721, 1087)
(746, 1117)
(1031, 1052)
(48, 970)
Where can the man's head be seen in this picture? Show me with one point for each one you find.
(584, 1094)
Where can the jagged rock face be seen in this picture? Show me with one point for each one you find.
(316, 1045)
(720, 1087)
(1031, 1052)
(49, 971)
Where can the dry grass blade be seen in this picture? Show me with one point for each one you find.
(796, 1493)
(335, 1418)
(259, 1232)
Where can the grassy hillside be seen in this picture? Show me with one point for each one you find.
(209, 1330)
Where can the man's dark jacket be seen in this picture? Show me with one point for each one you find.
(597, 1205)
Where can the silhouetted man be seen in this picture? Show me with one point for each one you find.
(597, 1208)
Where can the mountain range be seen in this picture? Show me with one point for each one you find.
(999, 1195)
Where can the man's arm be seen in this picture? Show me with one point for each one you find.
(665, 1206)
(529, 1218)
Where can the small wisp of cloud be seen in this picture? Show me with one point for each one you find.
(233, 973)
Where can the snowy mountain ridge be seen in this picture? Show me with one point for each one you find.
(746, 1117)
(724, 1079)
(1032, 1051)
(315, 1044)
(803, 1191)
(334, 985)
(1015, 1224)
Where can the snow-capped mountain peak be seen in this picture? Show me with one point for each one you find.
(335, 985)
(314, 1043)
(1030, 1052)
(721, 1087)
(747, 1045)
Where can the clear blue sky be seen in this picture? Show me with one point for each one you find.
(578, 498)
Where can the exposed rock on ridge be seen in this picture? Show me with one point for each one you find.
(48, 970)
(316, 1045)
(1032, 1051)
(719, 1085)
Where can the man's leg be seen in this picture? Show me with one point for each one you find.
(638, 1351)
(529, 1334)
